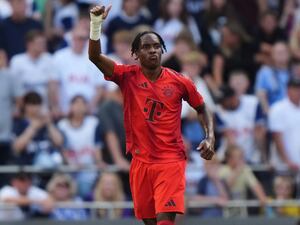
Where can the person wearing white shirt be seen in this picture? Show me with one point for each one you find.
(173, 20)
(34, 67)
(28, 199)
(75, 75)
(284, 123)
(238, 119)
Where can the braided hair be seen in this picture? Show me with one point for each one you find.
(137, 41)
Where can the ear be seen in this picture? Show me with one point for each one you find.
(136, 57)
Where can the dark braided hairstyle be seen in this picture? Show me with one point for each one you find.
(137, 41)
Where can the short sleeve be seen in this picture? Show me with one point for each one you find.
(7, 192)
(249, 177)
(120, 71)
(191, 95)
(276, 123)
(262, 82)
(37, 194)
(105, 118)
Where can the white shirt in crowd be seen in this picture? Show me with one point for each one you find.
(169, 30)
(284, 118)
(242, 122)
(80, 141)
(15, 213)
(34, 74)
(76, 76)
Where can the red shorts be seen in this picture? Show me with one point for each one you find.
(157, 188)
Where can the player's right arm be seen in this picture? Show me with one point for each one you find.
(104, 64)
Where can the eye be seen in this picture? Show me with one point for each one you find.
(146, 46)
(157, 46)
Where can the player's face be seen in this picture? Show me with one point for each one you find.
(150, 51)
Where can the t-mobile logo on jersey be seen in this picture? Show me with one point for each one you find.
(153, 108)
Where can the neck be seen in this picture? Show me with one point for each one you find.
(76, 121)
(33, 55)
(152, 74)
(18, 17)
(281, 66)
(295, 101)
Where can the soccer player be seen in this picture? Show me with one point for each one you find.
(152, 107)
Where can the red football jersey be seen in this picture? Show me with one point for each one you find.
(152, 112)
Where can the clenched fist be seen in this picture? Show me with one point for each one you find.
(100, 10)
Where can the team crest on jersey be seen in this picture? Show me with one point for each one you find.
(168, 91)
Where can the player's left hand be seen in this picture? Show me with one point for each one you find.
(206, 148)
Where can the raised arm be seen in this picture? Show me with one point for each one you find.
(206, 147)
(104, 64)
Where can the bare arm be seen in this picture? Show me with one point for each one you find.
(115, 150)
(53, 94)
(206, 147)
(24, 139)
(259, 192)
(262, 96)
(54, 134)
(103, 63)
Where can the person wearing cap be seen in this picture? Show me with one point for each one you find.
(239, 120)
(284, 124)
(28, 199)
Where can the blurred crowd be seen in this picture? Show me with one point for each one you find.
(56, 108)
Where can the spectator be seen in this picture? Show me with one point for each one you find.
(109, 189)
(173, 19)
(10, 92)
(34, 68)
(14, 28)
(217, 14)
(238, 177)
(284, 123)
(114, 149)
(271, 81)
(267, 34)
(60, 17)
(241, 121)
(30, 200)
(122, 47)
(283, 188)
(234, 53)
(62, 189)
(211, 190)
(75, 75)
(36, 137)
(183, 44)
(239, 82)
(248, 12)
(82, 143)
(130, 16)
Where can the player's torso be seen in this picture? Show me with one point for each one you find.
(152, 113)
(155, 101)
